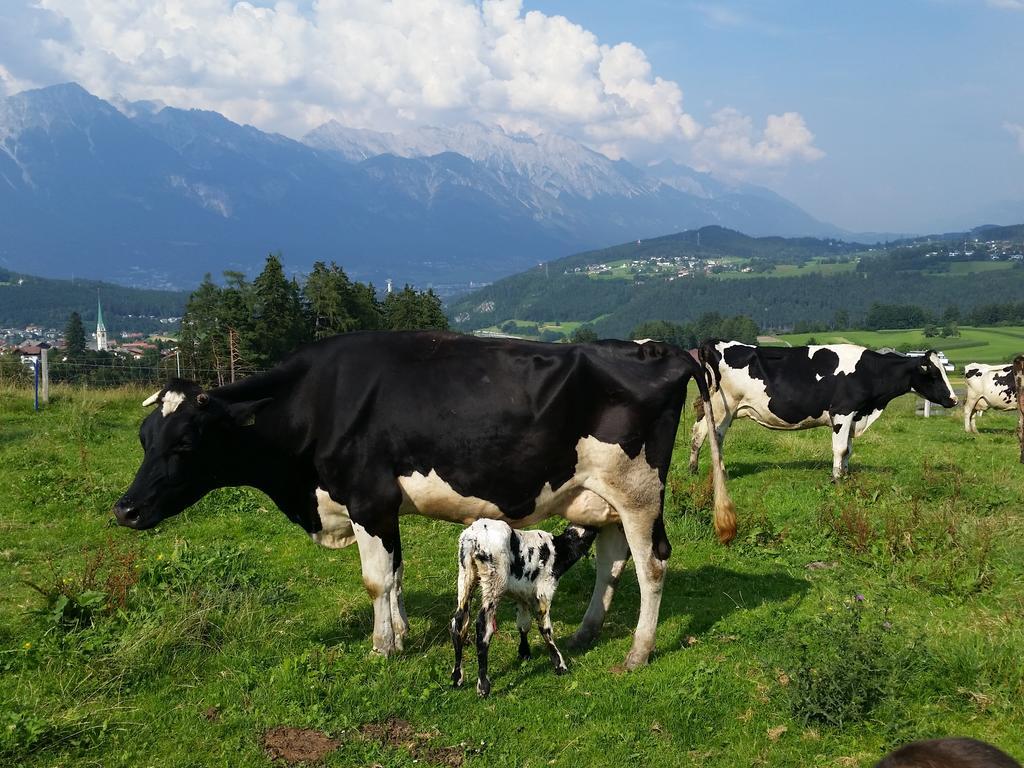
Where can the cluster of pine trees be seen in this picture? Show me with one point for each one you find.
(710, 325)
(234, 329)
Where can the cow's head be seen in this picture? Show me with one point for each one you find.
(929, 380)
(189, 442)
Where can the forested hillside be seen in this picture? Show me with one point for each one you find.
(25, 299)
(793, 290)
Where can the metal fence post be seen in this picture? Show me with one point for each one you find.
(45, 364)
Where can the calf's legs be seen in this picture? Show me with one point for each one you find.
(460, 622)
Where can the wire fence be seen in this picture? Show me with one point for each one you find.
(112, 373)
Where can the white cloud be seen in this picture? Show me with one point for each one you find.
(731, 141)
(1017, 131)
(368, 63)
(1011, 5)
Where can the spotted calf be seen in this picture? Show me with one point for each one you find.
(526, 565)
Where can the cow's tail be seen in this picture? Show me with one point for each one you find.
(725, 509)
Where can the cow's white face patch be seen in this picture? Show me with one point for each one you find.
(172, 400)
(934, 358)
(336, 530)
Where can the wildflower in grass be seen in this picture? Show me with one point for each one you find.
(859, 597)
(887, 625)
(27, 646)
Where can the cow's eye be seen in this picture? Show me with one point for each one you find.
(183, 447)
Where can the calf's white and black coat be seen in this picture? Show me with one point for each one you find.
(526, 566)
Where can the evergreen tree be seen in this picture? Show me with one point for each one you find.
(584, 333)
(330, 298)
(410, 310)
(74, 336)
(279, 325)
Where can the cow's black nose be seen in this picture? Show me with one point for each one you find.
(125, 512)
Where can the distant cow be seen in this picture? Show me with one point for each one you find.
(526, 566)
(842, 386)
(988, 386)
(350, 433)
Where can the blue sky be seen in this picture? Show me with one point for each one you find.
(897, 116)
(909, 100)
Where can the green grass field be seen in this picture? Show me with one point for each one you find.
(974, 345)
(183, 645)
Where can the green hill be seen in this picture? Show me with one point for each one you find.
(26, 300)
(785, 281)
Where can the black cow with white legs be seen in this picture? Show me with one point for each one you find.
(350, 433)
(988, 386)
(842, 386)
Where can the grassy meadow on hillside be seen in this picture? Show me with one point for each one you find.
(844, 620)
(973, 345)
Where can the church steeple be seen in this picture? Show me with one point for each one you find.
(101, 329)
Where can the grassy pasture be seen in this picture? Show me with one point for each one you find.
(974, 345)
(181, 646)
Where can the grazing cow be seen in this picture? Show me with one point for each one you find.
(948, 753)
(841, 386)
(988, 386)
(526, 565)
(349, 433)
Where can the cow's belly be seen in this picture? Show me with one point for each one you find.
(997, 403)
(431, 496)
(604, 477)
(763, 416)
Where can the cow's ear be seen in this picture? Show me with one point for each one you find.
(244, 414)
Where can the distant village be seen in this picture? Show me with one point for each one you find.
(670, 267)
(28, 342)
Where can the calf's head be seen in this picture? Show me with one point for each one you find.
(928, 378)
(189, 441)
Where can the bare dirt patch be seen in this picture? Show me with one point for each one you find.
(400, 734)
(297, 745)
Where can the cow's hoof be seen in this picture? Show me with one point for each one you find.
(483, 688)
(525, 656)
(582, 638)
(457, 680)
(636, 659)
(562, 670)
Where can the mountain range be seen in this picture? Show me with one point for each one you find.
(146, 194)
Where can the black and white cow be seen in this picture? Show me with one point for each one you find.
(349, 433)
(842, 386)
(988, 386)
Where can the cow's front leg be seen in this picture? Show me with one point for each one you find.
(380, 554)
(842, 427)
(612, 553)
(650, 573)
(399, 618)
